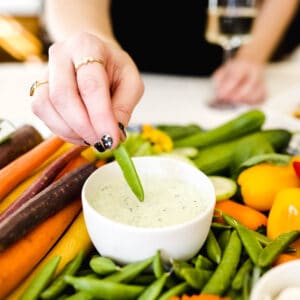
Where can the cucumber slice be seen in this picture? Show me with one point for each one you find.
(225, 187)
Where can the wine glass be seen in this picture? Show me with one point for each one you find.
(229, 24)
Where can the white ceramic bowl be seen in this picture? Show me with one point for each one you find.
(277, 279)
(126, 243)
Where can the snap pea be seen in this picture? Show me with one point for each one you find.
(223, 238)
(179, 131)
(129, 272)
(178, 266)
(103, 265)
(157, 265)
(154, 289)
(217, 226)
(249, 241)
(246, 267)
(276, 247)
(105, 289)
(212, 247)
(143, 279)
(175, 291)
(203, 262)
(221, 278)
(80, 296)
(59, 284)
(129, 171)
(41, 280)
(196, 278)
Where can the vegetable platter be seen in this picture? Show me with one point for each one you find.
(45, 250)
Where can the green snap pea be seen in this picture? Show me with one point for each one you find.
(130, 271)
(196, 278)
(157, 265)
(276, 247)
(143, 279)
(154, 289)
(238, 280)
(80, 296)
(103, 265)
(129, 171)
(107, 289)
(225, 271)
(178, 266)
(213, 248)
(246, 287)
(203, 262)
(59, 284)
(219, 226)
(175, 291)
(248, 238)
(223, 238)
(41, 280)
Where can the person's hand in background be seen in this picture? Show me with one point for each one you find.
(239, 81)
(91, 103)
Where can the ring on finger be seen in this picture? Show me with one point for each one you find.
(87, 60)
(35, 85)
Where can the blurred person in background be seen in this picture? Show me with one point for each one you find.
(101, 46)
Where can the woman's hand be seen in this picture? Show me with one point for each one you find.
(239, 81)
(90, 104)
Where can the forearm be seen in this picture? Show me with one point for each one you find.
(66, 17)
(268, 29)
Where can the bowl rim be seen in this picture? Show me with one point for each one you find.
(209, 209)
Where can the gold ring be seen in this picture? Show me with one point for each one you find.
(87, 60)
(35, 85)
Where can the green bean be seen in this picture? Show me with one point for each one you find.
(212, 247)
(223, 238)
(174, 291)
(157, 265)
(59, 284)
(105, 289)
(41, 280)
(276, 247)
(246, 267)
(103, 265)
(130, 271)
(129, 171)
(154, 289)
(80, 296)
(248, 238)
(203, 262)
(225, 271)
(196, 278)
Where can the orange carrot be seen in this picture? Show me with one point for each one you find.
(20, 188)
(284, 257)
(20, 258)
(16, 171)
(245, 214)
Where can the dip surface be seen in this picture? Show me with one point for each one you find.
(168, 201)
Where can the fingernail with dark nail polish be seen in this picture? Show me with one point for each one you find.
(107, 141)
(121, 126)
(85, 142)
(99, 147)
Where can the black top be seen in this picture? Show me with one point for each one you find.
(167, 36)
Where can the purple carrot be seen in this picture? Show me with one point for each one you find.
(43, 180)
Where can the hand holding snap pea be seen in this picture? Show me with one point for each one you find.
(126, 164)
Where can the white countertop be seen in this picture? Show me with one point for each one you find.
(167, 99)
